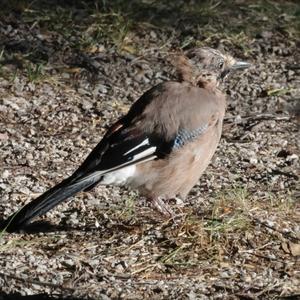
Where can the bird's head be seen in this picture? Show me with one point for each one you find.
(200, 64)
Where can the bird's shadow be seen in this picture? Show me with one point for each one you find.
(41, 226)
(18, 296)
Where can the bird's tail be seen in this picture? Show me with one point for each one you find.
(47, 201)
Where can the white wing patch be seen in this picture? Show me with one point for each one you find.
(143, 143)
(145, 153)
(119, 177)
(122, 175)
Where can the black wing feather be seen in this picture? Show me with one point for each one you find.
(109, 154)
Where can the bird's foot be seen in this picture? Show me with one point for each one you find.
(163, 207)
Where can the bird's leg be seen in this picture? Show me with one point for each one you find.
(162, 207)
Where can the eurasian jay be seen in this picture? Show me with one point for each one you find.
(161, 146)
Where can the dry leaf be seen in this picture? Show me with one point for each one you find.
(294, 249)
(291, 248)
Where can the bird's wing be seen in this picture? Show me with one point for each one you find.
(124, 145)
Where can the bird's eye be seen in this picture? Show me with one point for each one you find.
(220, 65)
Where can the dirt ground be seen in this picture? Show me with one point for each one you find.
(69, 70)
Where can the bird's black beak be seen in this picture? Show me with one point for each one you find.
(240, 65)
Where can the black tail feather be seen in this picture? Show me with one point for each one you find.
(47, 201)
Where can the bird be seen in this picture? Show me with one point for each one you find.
(161, 146)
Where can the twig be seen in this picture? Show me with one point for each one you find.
(285, 234)
(261, 117)
(287, 174)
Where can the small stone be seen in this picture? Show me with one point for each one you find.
(293, 157)
(5, 174)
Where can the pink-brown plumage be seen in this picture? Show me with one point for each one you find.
(179, 172)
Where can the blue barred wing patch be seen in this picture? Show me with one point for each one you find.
(185, 136)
